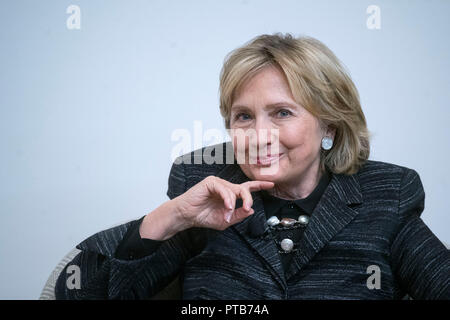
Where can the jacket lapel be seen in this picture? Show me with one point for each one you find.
(332, 214)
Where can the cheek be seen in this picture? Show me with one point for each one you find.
(295, 136)
(301, 139)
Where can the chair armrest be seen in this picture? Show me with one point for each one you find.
(48, 292)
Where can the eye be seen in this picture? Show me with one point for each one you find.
(242, 116)
(283, 113)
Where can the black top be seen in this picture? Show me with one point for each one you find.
(134, 247)
(282, 208)
(272, 205)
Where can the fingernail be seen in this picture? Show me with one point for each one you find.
(228, 216)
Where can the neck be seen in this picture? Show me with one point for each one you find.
(299, 188)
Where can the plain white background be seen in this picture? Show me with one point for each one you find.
(86, 116)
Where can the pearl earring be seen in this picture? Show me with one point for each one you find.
(327, 143)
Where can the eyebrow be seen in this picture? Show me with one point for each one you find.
(238, 107)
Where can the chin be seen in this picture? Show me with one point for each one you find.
(267, 174)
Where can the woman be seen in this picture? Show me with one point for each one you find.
(309, 218)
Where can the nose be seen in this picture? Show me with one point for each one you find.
(266, 137)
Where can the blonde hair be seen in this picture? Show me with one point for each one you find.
(317, 81)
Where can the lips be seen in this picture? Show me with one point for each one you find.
(268, 159)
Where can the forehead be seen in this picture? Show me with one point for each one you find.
(268, 88)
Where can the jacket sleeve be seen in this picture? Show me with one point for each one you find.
(420, 260)
(133, 246)
(103, 276)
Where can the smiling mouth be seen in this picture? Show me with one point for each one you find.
(268, 160)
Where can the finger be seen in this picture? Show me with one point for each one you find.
(229, 213)
(232, 197)
(232, 186)
(225, 194)
(239, 191)
(240, 214)
(247, 200)
(243, 190)
(259, 185)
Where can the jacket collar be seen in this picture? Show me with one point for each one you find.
(332, 213)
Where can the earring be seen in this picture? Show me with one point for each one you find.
(327, 143)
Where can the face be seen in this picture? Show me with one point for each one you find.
(264, 105)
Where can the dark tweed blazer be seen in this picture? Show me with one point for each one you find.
(371, 218)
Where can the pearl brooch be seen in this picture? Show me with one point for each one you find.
(287, 223)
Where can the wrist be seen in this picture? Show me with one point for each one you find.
(163, 222)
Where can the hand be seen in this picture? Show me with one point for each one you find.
(211, 202)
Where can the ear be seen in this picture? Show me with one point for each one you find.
(330, 132)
